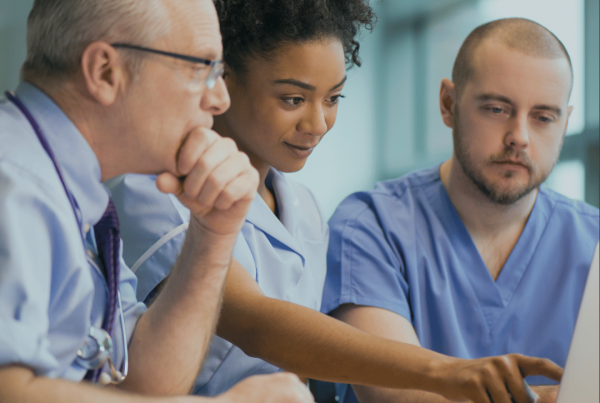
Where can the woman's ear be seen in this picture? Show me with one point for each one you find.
(103, 71)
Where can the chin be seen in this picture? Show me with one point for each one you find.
(290, 167)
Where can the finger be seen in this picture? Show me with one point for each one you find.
(538, 366)
(302, 392)
(234, 180)
(193, 147)
(166, 182)
(493, 376)
(498, 393)
(219, 152)
(518, 387)
(169, 183)
(481, 395)
(243, 188)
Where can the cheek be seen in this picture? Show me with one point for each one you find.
(546, 148)
(330, 118)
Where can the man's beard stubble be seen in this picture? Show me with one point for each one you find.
(493, 191)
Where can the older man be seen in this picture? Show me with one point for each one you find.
(472, 258)
(111, 87)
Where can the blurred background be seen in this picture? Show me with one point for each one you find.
(389, 123)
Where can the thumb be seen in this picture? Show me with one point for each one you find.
(166, 182)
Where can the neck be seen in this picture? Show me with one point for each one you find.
(482, 217)
(84, 114)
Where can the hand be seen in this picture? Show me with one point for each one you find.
(214, 180)
(547, 393)
(495, 379)
(282, 387)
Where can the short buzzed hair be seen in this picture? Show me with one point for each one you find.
(58, 31)
(520, 34)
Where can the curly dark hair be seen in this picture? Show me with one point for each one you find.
(255, 28)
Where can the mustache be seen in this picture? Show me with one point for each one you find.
(511, 156)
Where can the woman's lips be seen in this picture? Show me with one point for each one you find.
(300, 151)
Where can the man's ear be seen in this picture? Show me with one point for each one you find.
(447, 100)
(103, 72)
(569, 110)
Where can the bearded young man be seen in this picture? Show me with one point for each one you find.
(472, 257)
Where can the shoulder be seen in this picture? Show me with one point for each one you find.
(395, 195)
(21, 151)
(567, 207)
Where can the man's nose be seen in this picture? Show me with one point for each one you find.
(216, 99)
(517, 135)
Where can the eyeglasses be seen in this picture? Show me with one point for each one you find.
(216, 66)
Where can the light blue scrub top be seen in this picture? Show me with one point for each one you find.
(403, 247)
(51, 287)
(286, 257)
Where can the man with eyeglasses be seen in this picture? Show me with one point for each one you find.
(111, 88)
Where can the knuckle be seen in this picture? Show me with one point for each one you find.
(243, 157)
(226, 198)
(229, 143)
(203, 164)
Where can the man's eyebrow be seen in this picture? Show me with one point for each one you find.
(306, 86)
(550, 108)
(501, 98)
(494, 97)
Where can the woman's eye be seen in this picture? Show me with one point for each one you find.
(294, 101)
(336, 98)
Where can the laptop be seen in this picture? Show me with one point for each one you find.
(581, 376)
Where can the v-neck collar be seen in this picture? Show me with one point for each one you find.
(493, 296)
(284, 228)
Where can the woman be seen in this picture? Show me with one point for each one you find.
(285, 71)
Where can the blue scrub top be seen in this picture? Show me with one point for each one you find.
(403, 247)
(51, 285)
(285, 256)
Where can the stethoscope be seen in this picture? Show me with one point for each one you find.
(97, 349)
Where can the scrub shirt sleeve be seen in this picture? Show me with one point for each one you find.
(363, 265)
(32, 240)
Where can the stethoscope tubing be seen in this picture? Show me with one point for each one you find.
(44, 142)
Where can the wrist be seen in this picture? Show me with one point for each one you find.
(438, 372)
(205, 247)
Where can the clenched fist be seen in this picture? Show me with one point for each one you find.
(214, 180)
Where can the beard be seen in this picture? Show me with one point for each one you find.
(496, 191)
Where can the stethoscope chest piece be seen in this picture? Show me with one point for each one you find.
(95, 350)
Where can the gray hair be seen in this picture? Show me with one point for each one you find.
(58, 31)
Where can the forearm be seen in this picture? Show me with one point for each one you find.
(171, 338)
(311, 344)
(19, 384)
(369, 394)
